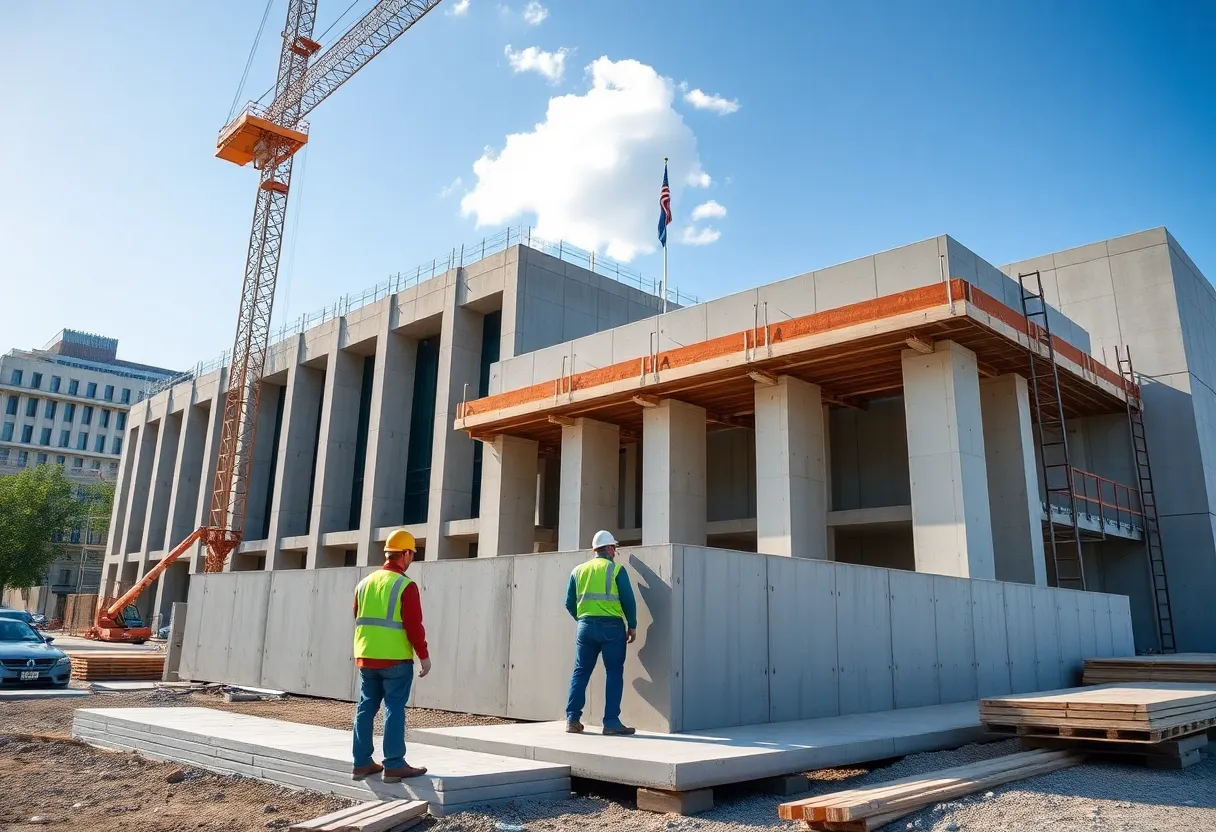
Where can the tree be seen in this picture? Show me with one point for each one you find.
(34, 506)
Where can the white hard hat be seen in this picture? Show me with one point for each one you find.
(603, 538)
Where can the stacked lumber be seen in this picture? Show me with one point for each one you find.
(390, 816)
(108, 667)
(872, 807)
(1198, 668)
(1149, 712)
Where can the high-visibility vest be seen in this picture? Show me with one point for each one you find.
(595, 585)
(379, 630)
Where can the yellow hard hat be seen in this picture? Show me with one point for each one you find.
(400, 541)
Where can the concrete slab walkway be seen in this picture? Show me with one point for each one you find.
(315, 758)
(698, 760)
(15, 694)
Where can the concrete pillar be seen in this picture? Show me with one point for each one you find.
(170, 588)
(673, 474)
(1013, 482)
(791, 483)
(590, 482)
(211, 456)
(335, 465)
(122, 490)
(137, 500)
(162, 480)
(451, 490)
(629, 491)
(289, 515)
(827, 476)
(951, 522)
(388, 437)
(183, 502)
(508, 497)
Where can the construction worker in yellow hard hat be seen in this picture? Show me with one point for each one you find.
(388, 636)
(600, 598)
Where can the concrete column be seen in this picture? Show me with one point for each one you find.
(629, 494)
(183, 502)
(211, 456)
(1013, 482)
(289, 515)
(335, 452)
(122, 490)
(137, 501)
(451, 491)
(673, 474)
(791, 482)
(162, 480)
(170, 588)
(827, 476)
(951, 523)
(388, 437)
(590, 482)
(508, 497)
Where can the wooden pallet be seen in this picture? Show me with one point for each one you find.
(868, 808)
(98, 667)
(375, 816)
(1199, 668)
(1172, 754)
(1103, 734)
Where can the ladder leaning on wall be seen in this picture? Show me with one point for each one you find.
(1148, 505)
(1051, 433)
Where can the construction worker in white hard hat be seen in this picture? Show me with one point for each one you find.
(600, 598)
(388, 636)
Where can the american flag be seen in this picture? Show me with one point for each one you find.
(664, 208)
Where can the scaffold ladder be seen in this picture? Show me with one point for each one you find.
(1055, 465)
(1148, 505)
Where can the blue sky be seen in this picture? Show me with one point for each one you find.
(1019, 128)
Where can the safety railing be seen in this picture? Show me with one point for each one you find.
(1108, 500)
(455, 258)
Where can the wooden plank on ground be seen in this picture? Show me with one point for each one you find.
(334, 817)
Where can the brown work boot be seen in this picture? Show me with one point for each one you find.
(396, 775)
(573, 726)
(361, 772)
(621, 731)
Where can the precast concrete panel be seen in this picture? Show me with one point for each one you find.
(1104, 641)
(1020, 627)
(910, 267)
(863, 628)
(1087, 627)
(1068, 622)
(542, 638)
(215, 638)
(331, 635)
(786, 299)
(1121, 626)
(956, 657)
(251, 594)
(1187, 542)
(725, 638)
(804, 679)
(467, 610)
(289, 618)
(914, 639)
(844, 284)
(192, 631)
(991, 639)
(1047, 636)
(654, 701)
(738, 313)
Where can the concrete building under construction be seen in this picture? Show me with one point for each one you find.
(896, 411)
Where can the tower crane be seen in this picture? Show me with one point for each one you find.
(268, 136)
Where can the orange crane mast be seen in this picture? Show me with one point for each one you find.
(268, 136)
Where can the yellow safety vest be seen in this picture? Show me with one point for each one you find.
(595, 585)
(379, 630)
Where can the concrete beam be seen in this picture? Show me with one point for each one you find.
(508, 497)
(590, 482)
(673, 474)
(1013, 482)
(791, 477)
(951, 520)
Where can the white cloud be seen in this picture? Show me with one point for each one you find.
(698, 179)
(711, 210)
(700, 236)
(535, 13)
(591, 171)
(714, 103)
(552, 65)
(448, 190)
(460, 7)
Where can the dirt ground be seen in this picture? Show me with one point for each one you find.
(45, 774)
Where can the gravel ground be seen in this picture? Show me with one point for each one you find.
(1095, 797)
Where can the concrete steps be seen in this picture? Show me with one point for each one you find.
(315, 758)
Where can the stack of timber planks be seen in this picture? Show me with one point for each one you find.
(1150, 712)
(389, 816)
(102, 667)
(1198, 668)
(872, 807)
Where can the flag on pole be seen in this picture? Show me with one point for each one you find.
(664, 208)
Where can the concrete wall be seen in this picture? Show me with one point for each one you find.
(724, 638)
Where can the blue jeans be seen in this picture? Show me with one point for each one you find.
(392, 686)
(598, 636)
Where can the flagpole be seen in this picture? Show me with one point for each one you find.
(664, 259)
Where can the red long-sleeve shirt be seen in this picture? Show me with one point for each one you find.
(411, 616)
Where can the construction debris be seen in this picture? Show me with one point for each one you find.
(870, 808)
(390, 816)
(1145, 713)
(1198, 668)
